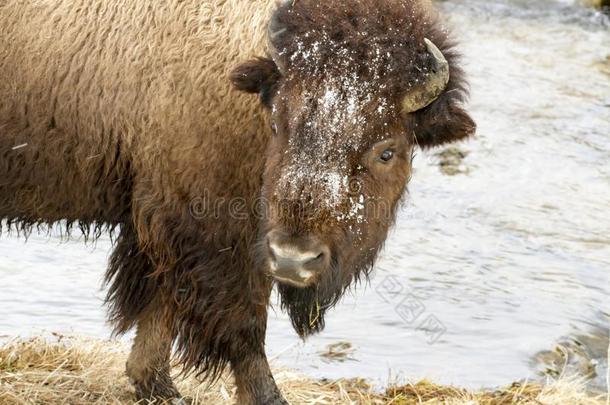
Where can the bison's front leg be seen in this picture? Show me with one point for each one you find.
(246, 354)
(255, 383)
(148, 366)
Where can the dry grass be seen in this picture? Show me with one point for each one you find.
(79, 371)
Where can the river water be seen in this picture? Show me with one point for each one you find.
(490, 273)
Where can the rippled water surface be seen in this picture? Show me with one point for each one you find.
(487, 270)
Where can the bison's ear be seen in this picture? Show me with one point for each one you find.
(258, 76)
(439, 124)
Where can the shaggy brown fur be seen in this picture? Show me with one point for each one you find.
(121, 114)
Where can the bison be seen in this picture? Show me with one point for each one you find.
(133, 116)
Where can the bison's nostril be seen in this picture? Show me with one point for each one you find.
(292, 256)
(315, 260)
(300, 256)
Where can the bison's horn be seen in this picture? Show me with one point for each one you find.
(435, 84)
(273, 32)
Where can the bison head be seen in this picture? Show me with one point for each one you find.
(353, 87)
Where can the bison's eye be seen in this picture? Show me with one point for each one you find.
(383, 155)
(387, 155)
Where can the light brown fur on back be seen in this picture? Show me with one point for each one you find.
(110, 96)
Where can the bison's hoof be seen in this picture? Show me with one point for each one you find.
(276, 399)
(160, 394)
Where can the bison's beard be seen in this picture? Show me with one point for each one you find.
(307, 307)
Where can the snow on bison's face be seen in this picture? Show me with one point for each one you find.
(352, 91)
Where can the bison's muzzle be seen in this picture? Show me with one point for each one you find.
(296, 260)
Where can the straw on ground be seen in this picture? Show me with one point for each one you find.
(79, 371)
